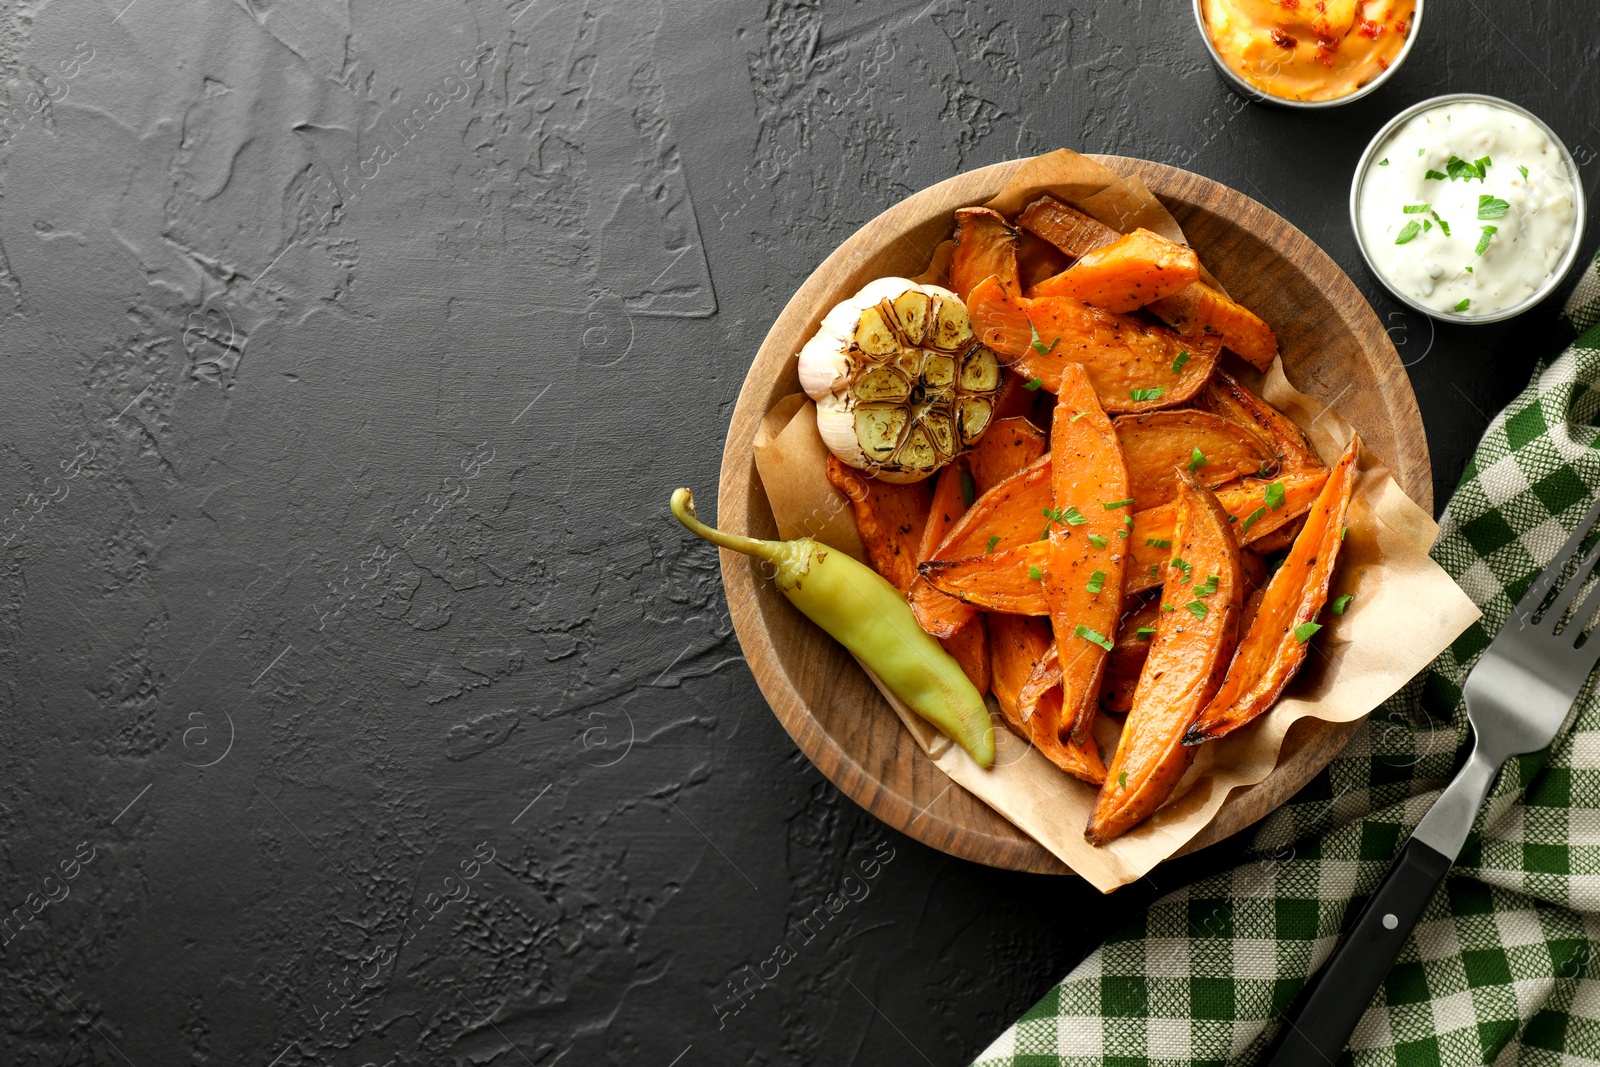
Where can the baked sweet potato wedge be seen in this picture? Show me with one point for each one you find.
(1126, 659)
(985, 246)
(1006, 447)
(1226, 396)
(1088, 543)
(1194, 312)
(1002, 582)
(1136, 269)
(1037, 259)
(1188, 653)
(968, 643)
(1278, 638)
(1156, 445)
(890, 518)
(1134, 365)
(1017, 645)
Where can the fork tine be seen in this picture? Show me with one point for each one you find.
(1570, 591)
(1553, 570)
(1585, 612)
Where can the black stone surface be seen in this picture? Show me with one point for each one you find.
(338, 584)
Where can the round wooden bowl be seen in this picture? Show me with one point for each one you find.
(1334, 349)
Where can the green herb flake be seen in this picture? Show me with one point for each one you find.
(1275, 496)
(1122, 534)
(1122, 780)
(1155, 572)
(1251, 519)
(1072, 515)
(1466, 302)
(1032, 385)
(1092, 637)
(1078, 416)
(1342, 603)
(1490, 207)
(1408, 232)
(969, 491)
(1524, 171)
(1384, 162)
(1197, 459)
(1097, 582)
(1426, 225)
(1097, 541)
(1168, 607)
(1177, 364)
(1469, 270)
(1342, 531)
(1038, 342)
(1416, 209)
(1144, 631)
(1035, 573)
(1434, 175)
(1483, 241)
(1146, 394)
(1443, 225)
(1209, 586)
(994, 539)
(1045, 534)
(1115, 504)
(1183, 566)
(1197, 609)
(1303, 632)
(1158, 542)
(1459, 169)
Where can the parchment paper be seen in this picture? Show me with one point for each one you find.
(1405, 609)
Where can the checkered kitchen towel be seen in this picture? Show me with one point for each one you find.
(1502, 969)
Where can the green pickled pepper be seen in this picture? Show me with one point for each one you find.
(861, 610)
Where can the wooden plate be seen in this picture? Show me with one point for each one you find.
(1334, 349)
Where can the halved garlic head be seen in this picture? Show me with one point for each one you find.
(901, 383)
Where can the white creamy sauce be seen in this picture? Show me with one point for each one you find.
(1528, 216)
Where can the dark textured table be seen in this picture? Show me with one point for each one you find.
(361, 704)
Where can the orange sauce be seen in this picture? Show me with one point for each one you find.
(1308, 49)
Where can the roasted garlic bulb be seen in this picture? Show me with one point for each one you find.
(901, 383)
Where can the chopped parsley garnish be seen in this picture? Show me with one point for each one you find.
(1183, 566)
(1158, 542)
(1416, 209)
(1466, 302)
(1197, 459)
(1490, 207)
(994, 539)
(1044, 535)
(1155, 572)
(1035, 573)
(1303, 632)
(1251, 519)
(1408, 231)
(1038, 343)
(1209, 586)
(1097, 582)
(1434, 175)
(1097, 541)
(969, 492)
(1127, 520)
(1115, 504)
(1197, 609)
(1092, 637)
(1146, 394)
(1177, 364)
(1122, 780)
(1469, 270)
(1426, 225)
(1168, 607)
(1078, 416)
(1072, 515)
(1443, 225)
(1483, 241)
(1275, 496)
(1342, 531)
(1032, 384)
(1342, 603)
(1459, 169)
(1524, 171)
(1384, 162)
(1419, 152)
(1144, 631)
(1122, 534)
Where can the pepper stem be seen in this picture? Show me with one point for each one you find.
(683, 510)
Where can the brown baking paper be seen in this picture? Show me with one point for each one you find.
(1405, 609)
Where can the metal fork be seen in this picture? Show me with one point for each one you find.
(1517, 697)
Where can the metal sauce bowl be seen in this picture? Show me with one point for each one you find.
(1579, 207)
(1259, 96)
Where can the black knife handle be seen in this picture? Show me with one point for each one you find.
(1345, 986)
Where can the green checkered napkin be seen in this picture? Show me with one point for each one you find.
(1501, 970)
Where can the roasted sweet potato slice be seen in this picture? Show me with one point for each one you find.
(1188, 654)
(1016, 646)
(890, 518)
(1126, 658)
(1003, 521)
(1251, 502)
(1001, 581)
(1037, 259)
(1194, 312)
(1277, 640)
(1157, 444)
(967, 643)
(1088, 543)
(1007, 446)
(1134, 365)
(985, 246)
(1226, 396)
(1072, 231)
(1201, 311)
(1125, 275)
